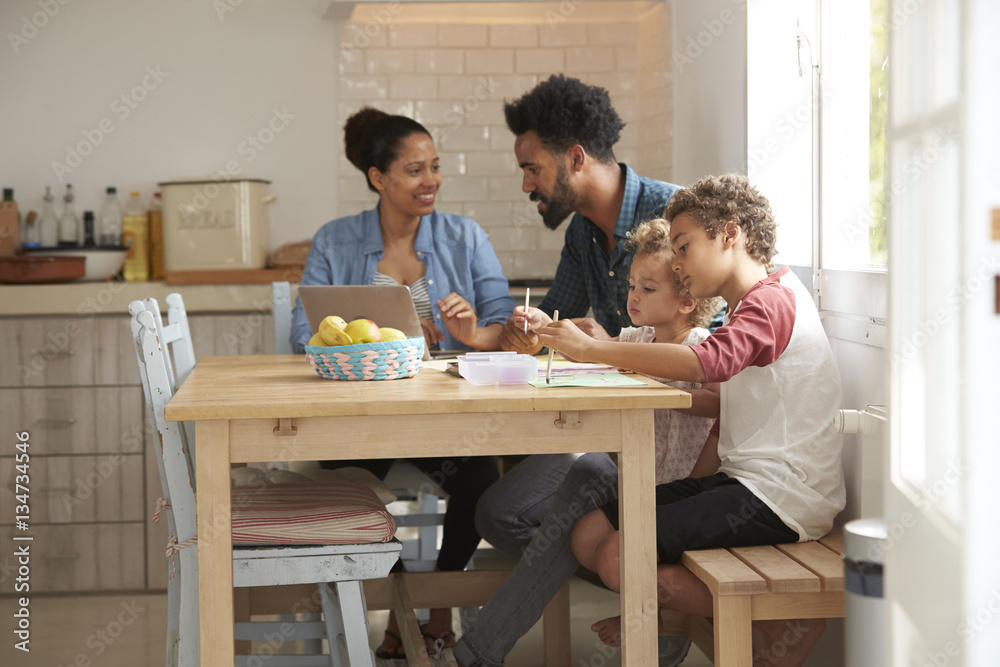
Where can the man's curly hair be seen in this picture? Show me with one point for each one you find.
(565, 112)
(652, 237)
(715, 200)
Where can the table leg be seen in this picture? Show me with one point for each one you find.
(636, 494)
(215, 543)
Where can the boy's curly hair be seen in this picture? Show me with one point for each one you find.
(565, 112)
(652, 237)
(715, 200)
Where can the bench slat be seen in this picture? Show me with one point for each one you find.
(724, 573)
(821, 560)
(834, 541)
(783, 574)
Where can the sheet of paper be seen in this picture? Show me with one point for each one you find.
(563, 368)
(606, 380)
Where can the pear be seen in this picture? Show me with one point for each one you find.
(331, 329)
(388, 333)
(317, 340)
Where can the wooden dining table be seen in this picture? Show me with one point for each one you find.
(276, 408)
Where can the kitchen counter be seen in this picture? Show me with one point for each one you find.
(95, 298)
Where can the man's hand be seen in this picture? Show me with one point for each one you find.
(513, 338)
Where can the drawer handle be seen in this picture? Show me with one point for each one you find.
(72, 556)
(56, 423)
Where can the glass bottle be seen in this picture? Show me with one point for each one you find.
(13, 227)
(88, 229)
(69, 224)
(110, 220)
(157, 269)
(48, 224)
(135, 234)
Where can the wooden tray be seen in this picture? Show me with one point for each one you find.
(234, 276)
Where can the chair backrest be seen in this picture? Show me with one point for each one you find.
(173, 455)
(281, 310)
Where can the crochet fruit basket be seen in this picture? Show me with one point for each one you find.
(388, 360)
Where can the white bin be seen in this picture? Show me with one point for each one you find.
(864, 625)
(212, 224)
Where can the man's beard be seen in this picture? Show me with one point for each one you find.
(562, 202)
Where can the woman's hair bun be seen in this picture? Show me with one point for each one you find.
(354, 132)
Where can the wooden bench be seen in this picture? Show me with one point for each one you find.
(784, 581)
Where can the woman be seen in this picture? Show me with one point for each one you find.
(446, 260)
(457, 287)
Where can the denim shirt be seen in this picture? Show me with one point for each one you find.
(587, 277)
(455, 251)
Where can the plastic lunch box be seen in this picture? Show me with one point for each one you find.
(484, 368)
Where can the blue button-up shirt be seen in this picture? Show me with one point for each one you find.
(587, 277)
(455, 250)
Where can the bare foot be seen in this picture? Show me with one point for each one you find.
(785, 643)
(609, 630)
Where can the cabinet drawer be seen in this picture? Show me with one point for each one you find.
(80, 557)
(73, 489)
(67, 351)
(75, 421)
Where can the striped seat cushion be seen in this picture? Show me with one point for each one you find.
(309, 513)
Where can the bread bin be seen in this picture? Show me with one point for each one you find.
(215, 224)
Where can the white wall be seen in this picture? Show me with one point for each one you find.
(224, 77)
(709, 54)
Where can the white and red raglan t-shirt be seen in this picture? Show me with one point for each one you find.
(780, 392)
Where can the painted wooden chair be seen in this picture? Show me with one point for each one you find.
(367, 551)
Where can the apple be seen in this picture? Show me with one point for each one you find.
(363, 331)
(388, 333)
(317, 340)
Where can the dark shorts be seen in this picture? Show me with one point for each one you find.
(707, 513)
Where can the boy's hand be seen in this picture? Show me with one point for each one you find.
(589, 326)
(566, 338)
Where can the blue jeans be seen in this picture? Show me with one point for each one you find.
(531, 511)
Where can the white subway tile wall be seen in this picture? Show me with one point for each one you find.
(454, 78)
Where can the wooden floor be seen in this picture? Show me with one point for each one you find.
(123, 630)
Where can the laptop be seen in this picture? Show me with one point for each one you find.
(386, 305)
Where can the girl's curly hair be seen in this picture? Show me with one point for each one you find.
(566, 112)
(715, 200)
(652, 237)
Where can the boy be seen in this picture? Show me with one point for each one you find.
(771, 472)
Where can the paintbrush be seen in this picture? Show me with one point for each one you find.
(527, 294)
(548, 365)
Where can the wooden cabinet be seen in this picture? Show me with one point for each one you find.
(73, 384)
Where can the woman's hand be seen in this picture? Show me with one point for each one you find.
(459, 318)
(566, 338)
(431, 333)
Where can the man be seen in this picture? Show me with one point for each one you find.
(565, 133)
